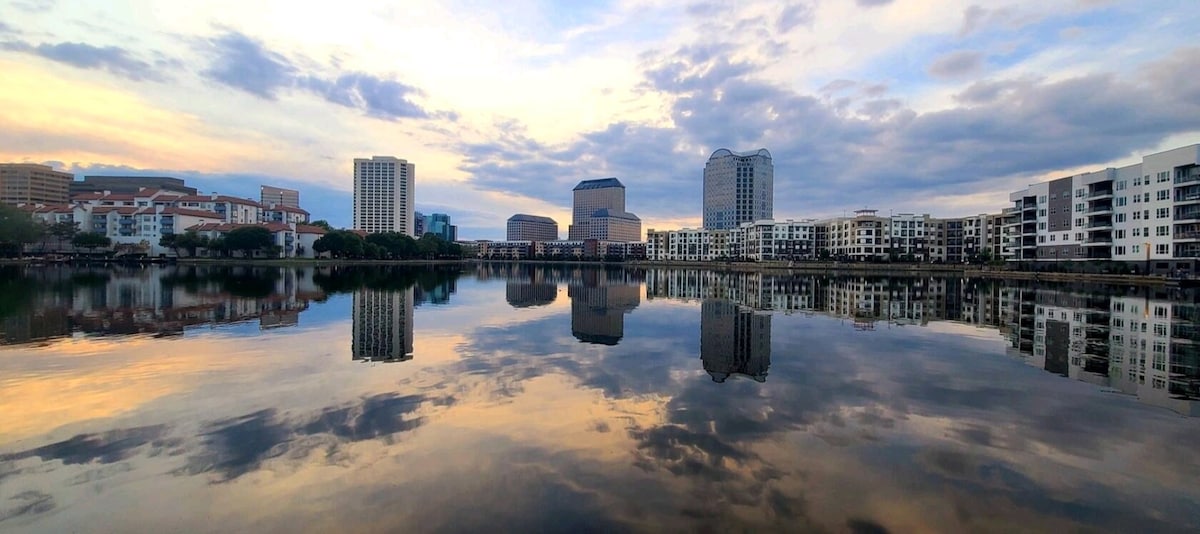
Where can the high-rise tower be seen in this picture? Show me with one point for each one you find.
(384, 188)
(738, 188)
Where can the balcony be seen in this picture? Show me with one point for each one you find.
(1101, 209)
(1100, 194)
(1187, 215)
(1188, 195)
(1191, 177)
(1097, 242)
(1097, 225)
(1187, 235)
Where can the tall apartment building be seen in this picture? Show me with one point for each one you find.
(599, 212)
(269, 195)
(128, 185)
(738, 188)
(522, 227)
(31, 183)
(734, 340)
(384, 191)
(382, 325)
(1146, 214)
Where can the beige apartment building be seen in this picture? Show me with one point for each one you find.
(31, 183)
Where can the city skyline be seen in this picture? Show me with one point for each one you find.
(934, 106)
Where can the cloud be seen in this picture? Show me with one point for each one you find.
(957, 64)
(106, 447)
(245, 63)
(794, 15)
(872, 3)
(378, 97)
(35, 6)
(113, 59)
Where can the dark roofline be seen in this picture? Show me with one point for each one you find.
(600, 183)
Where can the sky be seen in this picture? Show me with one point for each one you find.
(925, 106)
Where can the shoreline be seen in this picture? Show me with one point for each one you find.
(834, 268)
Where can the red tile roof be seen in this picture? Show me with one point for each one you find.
(191, 213)
(225, 227)
(310, 229)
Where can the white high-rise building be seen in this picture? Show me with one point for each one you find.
(384, 189)
(1146, 214)
(738, 188)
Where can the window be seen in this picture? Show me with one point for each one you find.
(1160, 329)
(1146, 214)
(1120, 234)
(1041, 226)
(1162, 248)
(1052, 237)
(1079, 222)
(1042, 199)
(1162, 230)
(1121, 185)
(1119, 202)
(1080, 207)
(1163, 176)
(1163, 194)
(1120, 250)
(1162, 213)
(1041, 239)
(1137, 182)
(1137, 199)
(1146, 197)
(1137, 248)
(1042, 212)
(1137, 215)
(1078, 236)
(1120, 217)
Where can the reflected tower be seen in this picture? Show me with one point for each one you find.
(383, 325)
(734, 340)
(598, 307)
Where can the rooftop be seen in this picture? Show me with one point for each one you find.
(599, 184)
(725, 152)
(605, 212)
(532, 218)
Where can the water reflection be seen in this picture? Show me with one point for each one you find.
(891, 405)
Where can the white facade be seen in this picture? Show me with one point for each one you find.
(384, 193)
(1147, 212)
(738, 188)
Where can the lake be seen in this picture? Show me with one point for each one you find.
(525, 398)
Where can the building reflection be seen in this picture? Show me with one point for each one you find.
(1145, 344)
(382, 325)
(527, 286)
(56, 302)
(734, 340)
(599, 301)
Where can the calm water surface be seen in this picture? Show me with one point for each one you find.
(515, 398)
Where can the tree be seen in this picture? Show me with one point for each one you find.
(340, 244)
(17, 228)
(91, 241)
(170, 241)
(248, 240)
(323, 224)
(62, 232)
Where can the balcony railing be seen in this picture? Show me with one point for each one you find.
(1100, 209)
(1189, 197)
(1187, 215)
(1187, 179)
(1097, 194)
(1192, 234)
